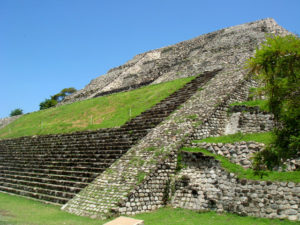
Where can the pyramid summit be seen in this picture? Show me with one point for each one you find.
(222, 49)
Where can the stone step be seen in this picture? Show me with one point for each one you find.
(118, 133)
(108, 157)
(85, 174)
(59, 163)
(98, 145)
(44, 186)
(45, 198)
(39, 190)
(44, 180)
(48, 176)
(92, 151)
(64, 168)
(74, 154)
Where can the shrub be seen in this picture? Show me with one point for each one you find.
(16, 112)
(277, 65)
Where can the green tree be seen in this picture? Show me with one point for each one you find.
(277, 65)
(63, 93)
(48, 103)
(16, 112)
(56, 98)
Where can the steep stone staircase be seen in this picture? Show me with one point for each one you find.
(53, 168)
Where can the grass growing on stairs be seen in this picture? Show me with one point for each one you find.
(241, 172)
(102, 112)
(18, 210)
(264, 137)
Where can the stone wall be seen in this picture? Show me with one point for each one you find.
(205, 185)
(220, 49)
(248, 120)
(153, 193)
(5, 121)
(239, 152)
(215, 125)
(230, 120)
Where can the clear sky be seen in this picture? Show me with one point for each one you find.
(48, 45)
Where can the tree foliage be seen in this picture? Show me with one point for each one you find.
(63, 93)
(16, 112)
(56, 98)
(277, 65)
(48, 103)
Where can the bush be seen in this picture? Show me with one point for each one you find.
(16, 112)
(277, 65)
(47, 103)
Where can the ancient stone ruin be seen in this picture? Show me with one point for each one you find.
(132, 169)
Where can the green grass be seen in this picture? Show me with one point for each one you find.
(249, 173)
(264, 137)
(262, 104)
(102, 112)
(18, 210)
(170, 216)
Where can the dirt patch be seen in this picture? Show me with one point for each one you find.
(97, 117)
(5, 213)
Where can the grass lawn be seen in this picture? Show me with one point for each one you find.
(262, 104)
(293, 176)
(22, 211)
(170, 216)
(102, 112)
(264, 137)
(19, 210)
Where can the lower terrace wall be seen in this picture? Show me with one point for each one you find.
(241, 153)
(205, 185)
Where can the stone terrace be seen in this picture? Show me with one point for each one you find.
(54, 168)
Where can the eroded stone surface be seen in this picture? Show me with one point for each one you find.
(5, 121)
(220, 49)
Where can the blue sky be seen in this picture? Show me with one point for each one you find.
(47, 45)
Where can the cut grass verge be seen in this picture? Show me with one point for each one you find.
(262, 104)
(22, 211)
(264, 137)
(249, 173)
(102, 112)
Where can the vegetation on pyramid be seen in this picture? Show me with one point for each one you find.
(102, 112)
(277, 66)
